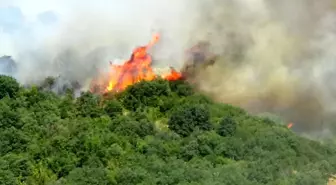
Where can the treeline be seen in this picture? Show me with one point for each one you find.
(157, 132)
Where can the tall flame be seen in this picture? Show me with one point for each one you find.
(136, 69)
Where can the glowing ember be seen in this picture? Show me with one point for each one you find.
(136, 69)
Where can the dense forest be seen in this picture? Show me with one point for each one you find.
(158, 132)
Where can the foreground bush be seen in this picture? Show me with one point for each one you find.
(190, 118)
(8, 86)
(227, 127)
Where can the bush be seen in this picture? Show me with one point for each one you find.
(181, 88)
(188, 119)
(48, 83)
(227, 127)
(88, 105)
(125, 125)
(113, 108)
(88, 176)
(8, 86)
(144, 94)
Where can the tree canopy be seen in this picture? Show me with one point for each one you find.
(156, 132)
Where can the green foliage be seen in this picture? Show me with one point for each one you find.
(227, 127)
(189, 118)
(181, 88)
(132, 126)
(8, 86)
(144, 94)
(88, 176)
(113, 108)
(88, 105)
(155, 132)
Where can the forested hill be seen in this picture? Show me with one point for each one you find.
(157, 132)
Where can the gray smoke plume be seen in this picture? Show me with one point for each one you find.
(277, 56)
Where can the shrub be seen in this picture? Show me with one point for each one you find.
(181, 88)
(86, 175)
(88, 105)
(125, 125)
(113, 108)
(8, 86)
(227, 127)
(188, 119)
(144, 94)
(48, 83)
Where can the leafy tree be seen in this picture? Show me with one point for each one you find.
(188, 119)
(181, 88)
(113, 108)
(132, 126)
(8, 86)
(8, 116)
(144, 94)
(15, 168)
(48, 83)
(12, 140)
(88, 176)
(227, 127)
(67, 106)
(88, 105)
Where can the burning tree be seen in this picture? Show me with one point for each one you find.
(136, 69)
(139, 68)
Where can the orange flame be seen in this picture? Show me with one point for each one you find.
(136, 69)
(290, 125)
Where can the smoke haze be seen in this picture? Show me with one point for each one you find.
(276, 56)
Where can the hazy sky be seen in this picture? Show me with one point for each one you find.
(27, 23)
(23, 21)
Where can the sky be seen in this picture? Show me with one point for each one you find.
(23, 21)
(26, 24)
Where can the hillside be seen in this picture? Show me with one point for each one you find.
(156, 132)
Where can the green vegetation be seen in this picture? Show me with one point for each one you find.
(155, 132)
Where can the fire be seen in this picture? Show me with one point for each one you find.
(136, 69)
(290, 125)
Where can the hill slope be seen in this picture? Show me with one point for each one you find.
(155, 132)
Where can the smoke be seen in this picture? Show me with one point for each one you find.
(275, 56)
(83, 41)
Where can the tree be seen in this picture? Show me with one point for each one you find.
(144, 94)
(113, 108)
(48, 83)
(8, 86)
(129, 126)
(227, 127)
(188, 119)
(181, 88)
(88, 105)
(88, 176)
